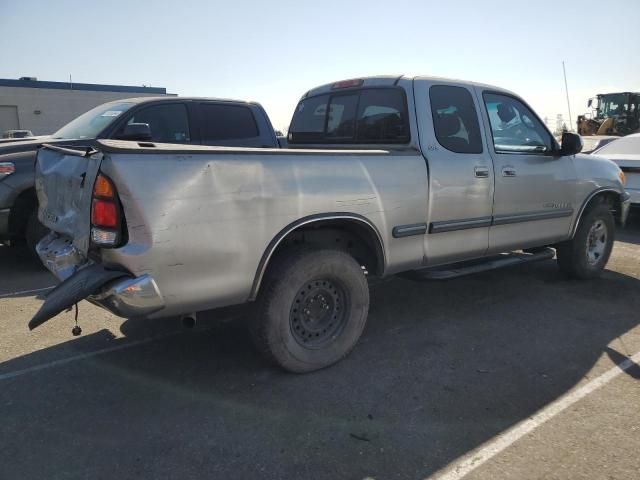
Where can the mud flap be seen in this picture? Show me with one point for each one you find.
(77, 287)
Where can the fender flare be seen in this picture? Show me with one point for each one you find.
(282, 234)
(590, 197)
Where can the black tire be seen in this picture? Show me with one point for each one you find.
(585, 256)
(311, 310)
(34, 233)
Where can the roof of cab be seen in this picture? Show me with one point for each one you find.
(390, 80)
(179, 99)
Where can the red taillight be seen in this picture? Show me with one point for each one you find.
(356, 82)
(104, 214)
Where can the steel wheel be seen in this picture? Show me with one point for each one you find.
(318, 313)
(312, 308)
(596, 241)
(586, 254)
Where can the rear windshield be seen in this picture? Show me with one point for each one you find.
(373, 115)
(622, 146)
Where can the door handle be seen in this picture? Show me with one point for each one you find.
(508, 172)
(481, 172)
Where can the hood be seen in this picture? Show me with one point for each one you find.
(32, 144)
(17, 145)
(25, 139)
(624, 159)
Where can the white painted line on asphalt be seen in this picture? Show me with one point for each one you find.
(23, 292)
(83, 356)
(473, 460)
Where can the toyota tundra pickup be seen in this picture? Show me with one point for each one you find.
(426, 177)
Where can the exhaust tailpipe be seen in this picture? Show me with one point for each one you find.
(189, 320)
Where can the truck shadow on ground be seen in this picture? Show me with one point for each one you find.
(441, 368)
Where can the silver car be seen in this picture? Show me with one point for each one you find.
(625, 152)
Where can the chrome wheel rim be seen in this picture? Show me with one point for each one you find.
(318, 313)
(596, 242)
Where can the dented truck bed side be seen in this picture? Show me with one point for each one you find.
(200, 220)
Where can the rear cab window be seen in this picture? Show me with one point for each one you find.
(362, 116)
(455, 119)
(220, 122)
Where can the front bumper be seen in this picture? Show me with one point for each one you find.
(117, 291)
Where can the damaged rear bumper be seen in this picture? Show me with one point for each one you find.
(117, 291)
(130, 297)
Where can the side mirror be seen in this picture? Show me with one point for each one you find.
(571, 144)
(590, 102)
(136, 131)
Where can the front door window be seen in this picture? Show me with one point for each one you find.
(514, 127)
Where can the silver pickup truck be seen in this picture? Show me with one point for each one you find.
(428, 177)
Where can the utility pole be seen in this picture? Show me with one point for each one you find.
(566, 88)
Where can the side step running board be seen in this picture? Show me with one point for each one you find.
(481, 265)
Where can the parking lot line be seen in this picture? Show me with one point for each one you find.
(474, 459)
(24, 292)
(82, 356)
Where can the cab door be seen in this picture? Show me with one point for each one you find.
(460, 171)
(535, 187)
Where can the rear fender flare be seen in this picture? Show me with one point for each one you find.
(305, 221)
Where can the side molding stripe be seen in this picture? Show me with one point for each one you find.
(532, 216)
(455, 225)
(408, 230)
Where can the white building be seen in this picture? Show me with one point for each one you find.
(43, 107)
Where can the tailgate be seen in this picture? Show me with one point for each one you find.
(64, 183)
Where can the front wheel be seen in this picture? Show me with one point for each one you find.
(311, 310)
(586, 255)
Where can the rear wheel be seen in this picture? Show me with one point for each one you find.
(312, 309)
(586, 255)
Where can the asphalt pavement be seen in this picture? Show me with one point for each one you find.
(476, 378)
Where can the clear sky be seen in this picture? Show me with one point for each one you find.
(273, 51)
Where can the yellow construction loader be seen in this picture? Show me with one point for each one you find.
(611, 114)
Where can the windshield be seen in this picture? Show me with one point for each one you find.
(91, 123)
(622, 146)
(612, 105)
